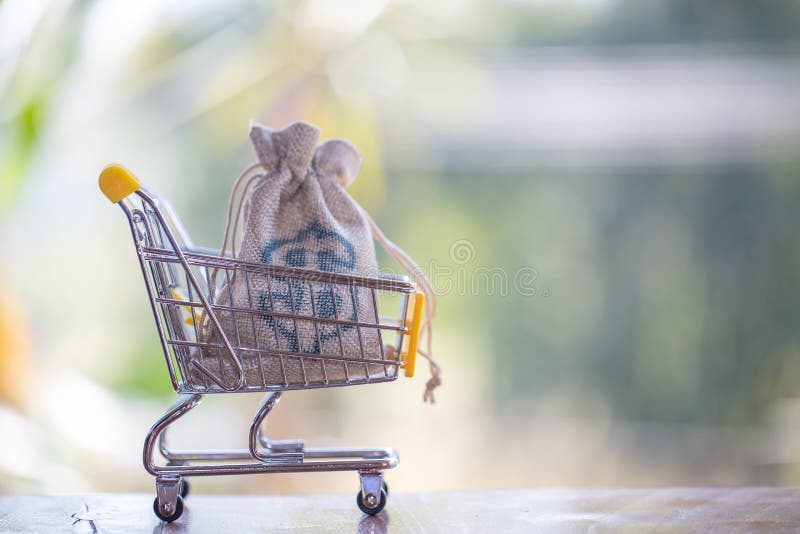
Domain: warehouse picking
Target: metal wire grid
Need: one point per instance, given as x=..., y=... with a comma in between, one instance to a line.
x=352, y=351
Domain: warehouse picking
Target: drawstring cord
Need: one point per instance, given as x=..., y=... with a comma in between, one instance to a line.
x=416, y=272
x=244, y=201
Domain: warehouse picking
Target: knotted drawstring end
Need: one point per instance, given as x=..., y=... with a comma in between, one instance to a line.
x=432, y=383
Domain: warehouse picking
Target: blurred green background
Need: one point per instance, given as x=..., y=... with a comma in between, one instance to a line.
x=606, y=193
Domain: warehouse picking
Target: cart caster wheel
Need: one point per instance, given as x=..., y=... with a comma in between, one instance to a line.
x=185, y=488
x=385, y=487
x=375, y=509
x=171, y=517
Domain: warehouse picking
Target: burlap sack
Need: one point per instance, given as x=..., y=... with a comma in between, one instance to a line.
x=298, y=214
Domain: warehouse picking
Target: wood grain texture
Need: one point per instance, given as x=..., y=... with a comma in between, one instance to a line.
x=526, y=510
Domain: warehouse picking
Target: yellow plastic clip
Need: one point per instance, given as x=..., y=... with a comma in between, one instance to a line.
x=413, y=325
x=186, y=310
x=117, y=182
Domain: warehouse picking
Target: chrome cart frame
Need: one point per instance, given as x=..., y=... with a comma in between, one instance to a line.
x=204, y=352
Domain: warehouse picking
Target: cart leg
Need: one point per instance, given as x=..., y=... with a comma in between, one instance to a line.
x=264, y=450
x=170, y=488
x=372, y=497
x=182, y=406
x=168, y=505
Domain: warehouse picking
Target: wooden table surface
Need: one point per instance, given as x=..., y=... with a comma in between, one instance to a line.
x=525, y=510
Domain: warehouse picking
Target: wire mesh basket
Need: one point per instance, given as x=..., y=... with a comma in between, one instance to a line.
x=287, y=328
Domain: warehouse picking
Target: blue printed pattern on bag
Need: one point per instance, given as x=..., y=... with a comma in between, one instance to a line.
x=293, y=296
x=296, y=255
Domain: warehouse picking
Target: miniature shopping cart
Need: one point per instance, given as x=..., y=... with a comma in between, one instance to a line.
x=181, y=282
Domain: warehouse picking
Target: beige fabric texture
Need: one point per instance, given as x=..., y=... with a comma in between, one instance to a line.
x=299, y=214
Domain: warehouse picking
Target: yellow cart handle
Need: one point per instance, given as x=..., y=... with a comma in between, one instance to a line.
x=117, y=182
x=414, y=326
